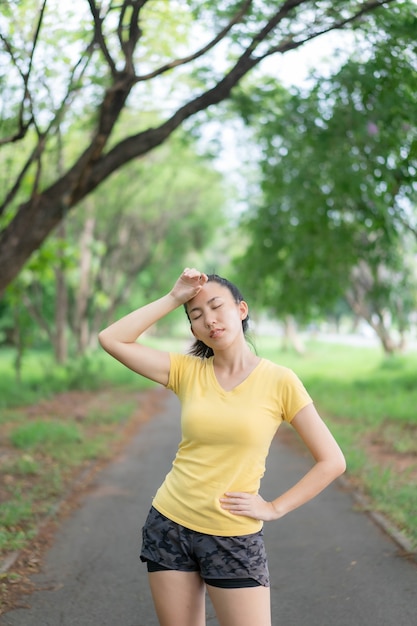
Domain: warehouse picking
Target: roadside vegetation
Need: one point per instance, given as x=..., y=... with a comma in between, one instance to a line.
x=58, y=425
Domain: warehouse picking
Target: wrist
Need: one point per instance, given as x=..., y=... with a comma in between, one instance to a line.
x=278, y=509
x=177, y=301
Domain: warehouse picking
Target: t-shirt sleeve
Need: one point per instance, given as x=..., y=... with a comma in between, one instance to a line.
x=176, y=367
x=294, y=396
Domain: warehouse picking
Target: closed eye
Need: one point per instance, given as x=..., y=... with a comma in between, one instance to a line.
x=196, y=313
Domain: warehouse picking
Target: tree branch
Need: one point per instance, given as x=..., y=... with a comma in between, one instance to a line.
x=18, y=182
x=22, y=126
x=291, y=45
x=128, y=44
x=54, y=124
x=202, y=51
x=99, y=37
x=36, y=315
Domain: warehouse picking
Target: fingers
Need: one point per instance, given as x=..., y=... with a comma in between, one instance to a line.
x=194, y=275
x=249, y=505
x=188, y=285
x=237, y=503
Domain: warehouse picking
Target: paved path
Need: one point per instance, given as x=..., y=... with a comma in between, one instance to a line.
x=330, y=565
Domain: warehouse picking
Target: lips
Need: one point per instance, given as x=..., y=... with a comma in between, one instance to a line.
x=216, y=333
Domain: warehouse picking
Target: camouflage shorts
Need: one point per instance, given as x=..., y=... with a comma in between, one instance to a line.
x=175, y=547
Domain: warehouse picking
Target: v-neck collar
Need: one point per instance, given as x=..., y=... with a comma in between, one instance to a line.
x=239, y=385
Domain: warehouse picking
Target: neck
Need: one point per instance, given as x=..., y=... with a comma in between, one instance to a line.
x=235, y=360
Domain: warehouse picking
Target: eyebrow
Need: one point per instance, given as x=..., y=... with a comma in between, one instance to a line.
x=198, y=308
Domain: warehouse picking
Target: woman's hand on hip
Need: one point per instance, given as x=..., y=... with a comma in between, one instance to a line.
x=249, y=505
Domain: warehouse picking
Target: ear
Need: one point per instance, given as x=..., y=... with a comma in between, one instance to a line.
x=243, y=309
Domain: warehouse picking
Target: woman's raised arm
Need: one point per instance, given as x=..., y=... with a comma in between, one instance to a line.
x=120, y=338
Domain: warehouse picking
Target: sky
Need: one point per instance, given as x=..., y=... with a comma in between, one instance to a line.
x=293, y=67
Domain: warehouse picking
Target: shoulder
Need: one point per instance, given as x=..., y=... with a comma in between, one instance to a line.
x=280, y=372
x=185, y=368
x=287, y=387
x=186, y=361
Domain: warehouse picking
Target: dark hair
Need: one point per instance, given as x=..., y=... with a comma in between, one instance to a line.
x=199, y=348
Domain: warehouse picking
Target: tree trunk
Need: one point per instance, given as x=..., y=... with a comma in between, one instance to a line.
x=375, y=321
x=81, y=322
x=61, y=308
x=291, y=336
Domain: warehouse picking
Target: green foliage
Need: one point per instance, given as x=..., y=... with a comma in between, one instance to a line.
x=48, y=434
x=12, y=514
x=91, y=87
x=41, y=377
x=82, y=373
x=117, y=414
x=25, y=465
x=16, y=521
x=12, y=540
x=338, y=181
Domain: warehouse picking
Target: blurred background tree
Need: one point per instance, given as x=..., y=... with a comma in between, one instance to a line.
x=336, y=217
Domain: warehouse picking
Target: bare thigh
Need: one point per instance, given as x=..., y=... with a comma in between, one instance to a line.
x=248, y=606
x=179, y=598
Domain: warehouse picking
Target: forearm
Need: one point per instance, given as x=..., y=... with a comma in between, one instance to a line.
x=329, y=464
x=130, y=327
x=318, y=478
x=120, y=338
x=329, y=461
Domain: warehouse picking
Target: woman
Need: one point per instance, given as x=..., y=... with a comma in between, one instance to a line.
x=204, y=530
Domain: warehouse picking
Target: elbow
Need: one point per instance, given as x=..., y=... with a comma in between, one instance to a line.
x=334, y=467
x=102, y=339
x=340, y=466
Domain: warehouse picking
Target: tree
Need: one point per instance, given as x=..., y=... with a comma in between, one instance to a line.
x=338, y=185
x=59, y=59
x=151, y=215
x=109, y=248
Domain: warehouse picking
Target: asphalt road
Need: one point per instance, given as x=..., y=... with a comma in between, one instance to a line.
x=330, y=564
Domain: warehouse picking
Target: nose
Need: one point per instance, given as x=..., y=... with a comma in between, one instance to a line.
x=209, y=320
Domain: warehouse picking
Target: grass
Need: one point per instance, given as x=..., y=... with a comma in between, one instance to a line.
x=47, y=434
x=41, y=378
x=15, y=513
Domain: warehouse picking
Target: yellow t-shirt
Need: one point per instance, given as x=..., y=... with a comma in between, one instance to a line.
x=226, y=437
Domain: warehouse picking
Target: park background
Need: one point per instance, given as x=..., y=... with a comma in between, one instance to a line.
x=274, y=143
